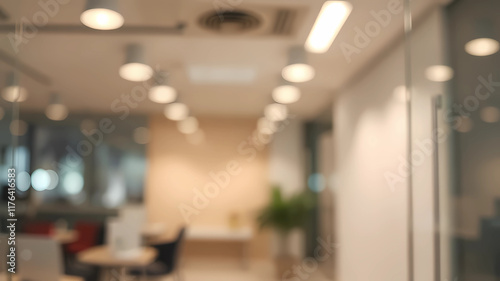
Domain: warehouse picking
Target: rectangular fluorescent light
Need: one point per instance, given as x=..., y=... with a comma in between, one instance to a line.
x=330, y=20
x=206, y=74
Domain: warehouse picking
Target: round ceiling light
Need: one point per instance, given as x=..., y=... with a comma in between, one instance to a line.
x=482, y=47
x=286, y=94
x=176, y=111
x=135, y=68
x=56, y=111
x=297, y=69
x=161, y=92
x=102, y=15
x=136, y=72
x=13, y=92
x=298, y=73
x=276, y=112
x=439, y=73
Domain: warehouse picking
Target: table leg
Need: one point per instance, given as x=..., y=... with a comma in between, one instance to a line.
x=115, y=274
x=123, y=273
x=104, y=274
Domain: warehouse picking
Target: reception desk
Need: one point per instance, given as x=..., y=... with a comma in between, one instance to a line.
x=242, y=235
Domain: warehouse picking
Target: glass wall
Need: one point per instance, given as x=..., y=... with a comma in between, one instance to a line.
x=13, y=154
x=454, y=63
x=62, y=157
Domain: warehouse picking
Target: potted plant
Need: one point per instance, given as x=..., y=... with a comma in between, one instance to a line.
x=284, y=215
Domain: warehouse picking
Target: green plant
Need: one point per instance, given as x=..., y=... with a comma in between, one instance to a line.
x=285, y=214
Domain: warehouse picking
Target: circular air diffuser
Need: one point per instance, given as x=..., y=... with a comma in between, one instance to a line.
x=229, y=21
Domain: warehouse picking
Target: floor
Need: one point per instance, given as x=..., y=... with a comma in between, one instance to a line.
x=231, y=270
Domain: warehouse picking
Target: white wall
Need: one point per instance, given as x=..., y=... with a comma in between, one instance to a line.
x=370, y=135
x=370, y=145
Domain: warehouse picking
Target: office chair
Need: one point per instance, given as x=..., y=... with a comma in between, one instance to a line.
x=88, y=234
x=167, y=261
x=39, y=228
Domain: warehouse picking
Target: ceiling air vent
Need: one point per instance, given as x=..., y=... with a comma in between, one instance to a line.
x=4, y=16
x=283, y=23
x=230, y=21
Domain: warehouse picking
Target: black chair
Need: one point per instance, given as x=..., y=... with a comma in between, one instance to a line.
x=167, y=261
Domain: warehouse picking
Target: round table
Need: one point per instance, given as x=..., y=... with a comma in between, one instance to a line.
x=103, y=257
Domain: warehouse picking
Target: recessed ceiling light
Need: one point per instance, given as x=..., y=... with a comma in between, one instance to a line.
x=135, y=68
x=102, y=15
x=297, y=70
x=176, y=111
x=286, y=94
x=439, y=73
x=330, y=20
x=482, y=47
x=276, y=112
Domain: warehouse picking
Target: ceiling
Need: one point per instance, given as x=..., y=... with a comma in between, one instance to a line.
x=82, y=64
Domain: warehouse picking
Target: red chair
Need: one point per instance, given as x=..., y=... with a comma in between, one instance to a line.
x=87, y=237
x=39, y=228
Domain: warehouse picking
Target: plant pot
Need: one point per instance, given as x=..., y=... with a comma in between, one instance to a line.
x=284, y=264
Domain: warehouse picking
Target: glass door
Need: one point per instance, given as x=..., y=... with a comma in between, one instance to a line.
x=453, y=77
